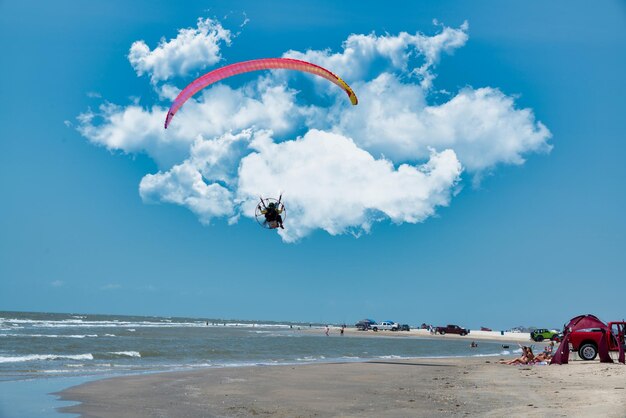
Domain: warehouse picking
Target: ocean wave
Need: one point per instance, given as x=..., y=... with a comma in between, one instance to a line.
x=79, y=321
x=56, y=371
x=311, y=358
x=488, y=355
x=35, y=357
x=73, y=323
x=394, y=357
x=126, y=353
x=51, y=335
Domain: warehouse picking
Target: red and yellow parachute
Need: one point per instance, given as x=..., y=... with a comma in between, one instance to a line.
x=254, y=65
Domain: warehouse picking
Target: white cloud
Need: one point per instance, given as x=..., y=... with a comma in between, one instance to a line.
x=361, y=52
x=481, y=125
x=219, y=159
x=194, y=182
x=132, y=129
x=396, y=156
x=221, y=109
x=328, y=181
x=332, y=184
x=192, y=49
x=183, y=185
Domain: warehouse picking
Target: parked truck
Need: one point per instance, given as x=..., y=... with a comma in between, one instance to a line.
x=451, y=329
x=586, y=341
x=386, y=326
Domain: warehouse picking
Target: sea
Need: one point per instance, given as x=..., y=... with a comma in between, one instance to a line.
x=43, y=353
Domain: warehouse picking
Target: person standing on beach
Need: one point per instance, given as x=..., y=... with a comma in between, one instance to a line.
x=327, y=330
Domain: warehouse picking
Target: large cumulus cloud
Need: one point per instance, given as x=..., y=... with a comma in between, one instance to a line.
x=396, y=156
x=334, y=185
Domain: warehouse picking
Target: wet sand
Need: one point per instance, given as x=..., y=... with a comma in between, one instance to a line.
x=408, y=388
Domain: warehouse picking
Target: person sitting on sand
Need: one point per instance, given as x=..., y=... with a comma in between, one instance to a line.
x=546, y=354
x=527, y=357
x=543, y=356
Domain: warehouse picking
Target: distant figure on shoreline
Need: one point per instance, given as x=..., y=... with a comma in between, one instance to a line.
x=473, y=344
x=343, y=327
x=327, y=330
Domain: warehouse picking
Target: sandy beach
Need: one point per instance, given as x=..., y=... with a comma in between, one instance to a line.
x=520, y=337
x=416, y=388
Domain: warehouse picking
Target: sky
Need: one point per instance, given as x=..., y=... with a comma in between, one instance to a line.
x=478, y=181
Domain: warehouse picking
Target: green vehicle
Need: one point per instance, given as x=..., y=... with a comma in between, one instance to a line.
x=543, y=334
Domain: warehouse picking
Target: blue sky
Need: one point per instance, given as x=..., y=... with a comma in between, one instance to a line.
x=531, y=243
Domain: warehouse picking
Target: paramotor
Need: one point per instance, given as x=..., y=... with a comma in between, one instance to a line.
x=270, y=213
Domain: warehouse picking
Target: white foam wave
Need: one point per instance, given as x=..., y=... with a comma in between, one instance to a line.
x=50, y=335
x=126, y=353
x=56, y=371
x=80, y=321
x=72, y=323
x=311, y=358
x=35, y=357
x=488, y=355
x=393, y=357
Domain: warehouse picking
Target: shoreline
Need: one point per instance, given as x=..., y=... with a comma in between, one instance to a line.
x=408, y=387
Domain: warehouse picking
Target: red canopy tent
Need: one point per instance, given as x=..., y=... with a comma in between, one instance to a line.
x=585, y=322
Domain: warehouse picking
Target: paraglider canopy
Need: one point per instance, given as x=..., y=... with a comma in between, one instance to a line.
x=254, y=65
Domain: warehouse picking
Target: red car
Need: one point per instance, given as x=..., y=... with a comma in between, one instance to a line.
x=585, y=333
x=586, y=341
